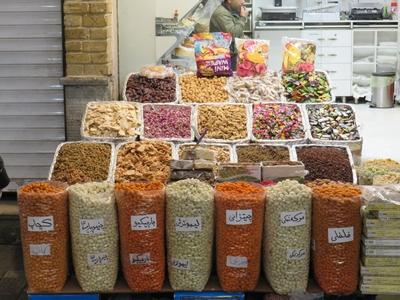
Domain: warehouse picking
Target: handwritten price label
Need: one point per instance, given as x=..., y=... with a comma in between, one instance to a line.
x=340, y=235
x=293, y=218
x=40, y=224
x=91, y=226
x=97, y=259
x=239, y=217
x=236, y=262
x=144, y=222
x=139, y=258
x=40, y=249
x=180, y=264
x=296, y=254
x=188, y=224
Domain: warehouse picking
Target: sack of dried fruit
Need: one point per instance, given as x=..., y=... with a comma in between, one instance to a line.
x=298, y=55
x=252, y=57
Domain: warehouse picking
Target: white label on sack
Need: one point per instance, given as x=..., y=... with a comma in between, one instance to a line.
x=139, y=258
x=239, y=217
x=188, y=224
x=40, y=249
x=144, y=222
x=91, y=226
x=296, y=254
x=97, y=259
x=236, y=261
x=340, y=235
x=39, y=224
x=293, y=218
x=180, y=264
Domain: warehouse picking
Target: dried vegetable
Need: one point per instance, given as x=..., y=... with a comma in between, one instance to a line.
x=277, y=122
x=252, y=57
x=256, y=153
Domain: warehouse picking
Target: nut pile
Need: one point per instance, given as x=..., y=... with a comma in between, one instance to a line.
x=203, y=89
x=94, y=235
x=308, y=87
x=336, y=231
x=151, y=90
x=190, y=225
x=239, y=225
x=223, y=122
x=332, y=122
x=141, y=210
x=255, y=153
x=167, y=121
x=326, y=163
x=222, y=152
x=82, y=162
x=111, y=119
x=267, y=87
x=277, y=122
x=43, y=213
x=143, y=161
x=287, y=233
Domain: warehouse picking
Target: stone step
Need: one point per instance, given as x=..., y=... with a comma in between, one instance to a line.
x=12, y=285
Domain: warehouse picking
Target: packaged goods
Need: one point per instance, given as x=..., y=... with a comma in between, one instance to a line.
x=203, y=90
x=381, y=200
x=326, y=163
x=78, y=162
x=304, y=87
x=113, y=119
x=94, y=235
x=379, y=289
x=255, y=153
x=278, y=171
x=373, y=261
x=252, y=57
x=222, y=152
x=332, y=122
x=159, y=72
x=371, y=168
x=287, y=233
x=202, y=175
x=212, y=52
x=239, y=225
x=172, y=122
x=143, y=161
x=336, y=228
x=190, y=225
x=380, y=271
x=226, y=122
x=43, y=213
x=141, y=211
x=239, y=172
x=267, y=87
x=298, y=55
x=277, y=122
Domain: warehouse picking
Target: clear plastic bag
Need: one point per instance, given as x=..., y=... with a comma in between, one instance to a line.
x=43, y=212
x=298, y=55
x=94, y=235
x=190, y=233
x=239, y=226
x=287, y=235
x=252, y=57
x=336, y=237
x=141, y=210
x=156, y=72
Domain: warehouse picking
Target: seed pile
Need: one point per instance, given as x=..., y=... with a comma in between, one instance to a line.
x=43, y=212
x=256, y=153
x=82, y=162
x=203, y=89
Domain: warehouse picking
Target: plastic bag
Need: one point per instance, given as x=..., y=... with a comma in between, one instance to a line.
x=298, y=55
x=43, y=212
x=94, y=235
x=239, y=225
x=336, y=237
x=252, y=57
x=190, y=233
x=287, y=236
x=156, y=72
x=212, y=52
x=141, y=210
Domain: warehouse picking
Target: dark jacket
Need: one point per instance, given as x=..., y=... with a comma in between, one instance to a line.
x=4, y=180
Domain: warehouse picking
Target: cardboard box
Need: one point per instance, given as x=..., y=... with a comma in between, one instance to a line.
x=380, y=280
x=380, y=251
x=380, y=242
x=380, y=261
x=373, y=289
x=239, y=172
x=383, y=224
x=383, y=233
x=278, y=171
x=380, y=271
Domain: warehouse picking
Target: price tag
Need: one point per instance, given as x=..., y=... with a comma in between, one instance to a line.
x=97, y=259
x=188, y=224
x=91, y=226
x=293, y=218
x=40, y=224
x=239, y=217
x=180, y=264
x=144, y=222
x=236, y=262
x=40, y=249
x=340, y=235
x=139, y=258
x=296, y=254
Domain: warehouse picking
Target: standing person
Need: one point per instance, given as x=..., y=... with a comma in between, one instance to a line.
x=230, y=16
